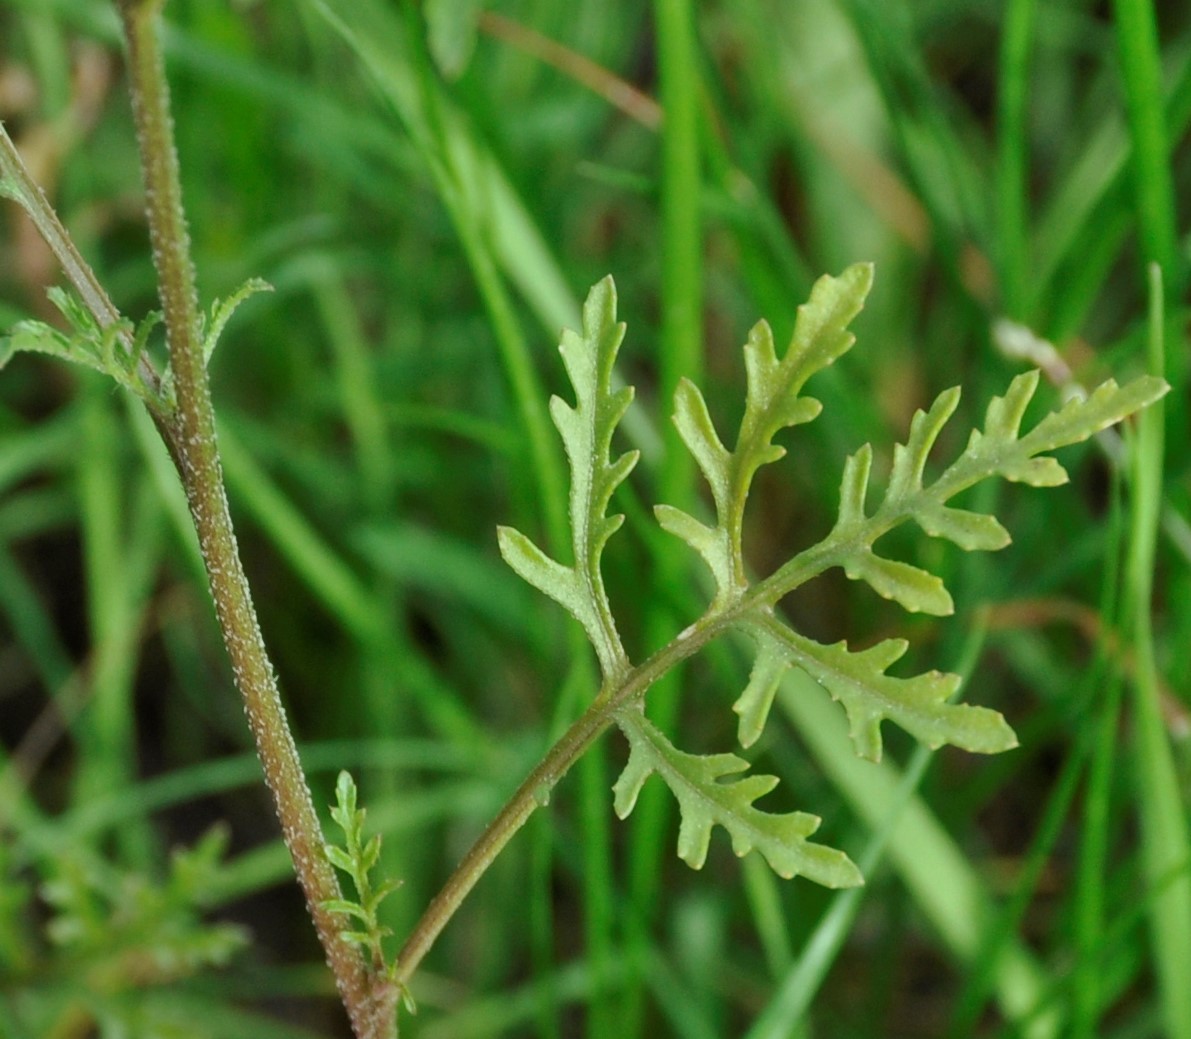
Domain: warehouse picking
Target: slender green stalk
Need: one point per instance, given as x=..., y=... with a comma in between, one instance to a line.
x=118, y=575
x=682, y=246
x=1006, y=920
x=1141, y=71
x=442, y=146
x=681, y=354
x=369, y=1000
x=1153, y=177
x=1089, y=895
x=1086, y=990
x=1166, y=844
x=16, y=182
x=1012, y=154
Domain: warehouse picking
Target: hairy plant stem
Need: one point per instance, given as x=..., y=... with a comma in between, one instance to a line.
x=368, y=996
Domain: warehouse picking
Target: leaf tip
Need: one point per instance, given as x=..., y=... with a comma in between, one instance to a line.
x=599, y=309
x=860, y=275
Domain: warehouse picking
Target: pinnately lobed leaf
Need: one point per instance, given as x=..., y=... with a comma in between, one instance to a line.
x=710, y=789
x=773, y=403
x=586, y=430
x=357, y=858
x=706, y=801
x=919, y=704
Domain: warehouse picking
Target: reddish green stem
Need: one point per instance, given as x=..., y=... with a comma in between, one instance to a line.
x=370, y=999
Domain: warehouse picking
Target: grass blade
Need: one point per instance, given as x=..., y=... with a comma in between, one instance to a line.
x=1166, y=844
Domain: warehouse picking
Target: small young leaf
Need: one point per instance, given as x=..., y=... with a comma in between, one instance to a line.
x=370, y=853
x=222, y=311
x=704, y=802
x=35, y=337
x=340, y=859
x=144, y=330
x=342, y=905
x=357, y=859
x=115, y=350
x=105, y=916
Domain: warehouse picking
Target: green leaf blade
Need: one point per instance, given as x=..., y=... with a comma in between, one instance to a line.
x=222, y=311
x=548, y=576
x=709, y=542
x=821, y=333
x=586, y=429
x=972, y=531
x=912, y=588
x=755, y=702
x=1105, y=406
x=854, y=490
x=773, y=402
x=706, y=801
x=909, y=459
x=695, y=427
x=1002, y=419
x=918, y=704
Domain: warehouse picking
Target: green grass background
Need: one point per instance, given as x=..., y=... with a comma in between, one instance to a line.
x=431, y=190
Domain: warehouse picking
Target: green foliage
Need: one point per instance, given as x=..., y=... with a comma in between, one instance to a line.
x=124, y=948
x=1032, y=211
x=140, y=932
x=586, y=430
x=221, y=313
x=920, y=704
x=773, y=403
x=115, y=351
x=706, y=800
x=119, y=350
x=357, y=858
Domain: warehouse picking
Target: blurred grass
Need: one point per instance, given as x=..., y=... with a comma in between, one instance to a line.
x=430, y=213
